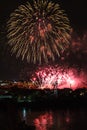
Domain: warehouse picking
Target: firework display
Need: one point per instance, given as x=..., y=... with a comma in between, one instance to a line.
x=38, y=31
x=57, y=77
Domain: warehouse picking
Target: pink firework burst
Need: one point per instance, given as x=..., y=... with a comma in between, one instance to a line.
x=56, y=77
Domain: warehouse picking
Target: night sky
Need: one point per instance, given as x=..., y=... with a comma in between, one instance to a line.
x=10, y=67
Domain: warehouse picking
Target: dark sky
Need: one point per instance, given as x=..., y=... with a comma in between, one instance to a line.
x=75, y=9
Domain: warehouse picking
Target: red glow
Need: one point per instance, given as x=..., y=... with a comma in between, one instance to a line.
x=42, y=32
x=31, y=38
x=67, y=119
x=52, y=77
x=43, y=121
x=49, y=27
x=42, y=48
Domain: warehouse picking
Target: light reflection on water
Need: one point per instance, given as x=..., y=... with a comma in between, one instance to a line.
x=62, y=119
x=23, y=118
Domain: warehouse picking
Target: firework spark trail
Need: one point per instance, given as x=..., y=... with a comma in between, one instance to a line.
x=58, y=77
x=38, y=31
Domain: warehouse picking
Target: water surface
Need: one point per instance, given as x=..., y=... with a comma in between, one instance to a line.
x=24, y=118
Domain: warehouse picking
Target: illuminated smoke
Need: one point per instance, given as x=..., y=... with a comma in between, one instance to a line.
x=79, y=42
x=77, y=49
x=57, y=77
